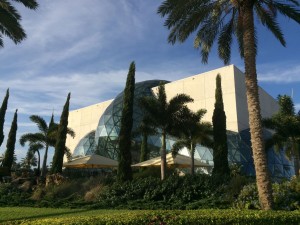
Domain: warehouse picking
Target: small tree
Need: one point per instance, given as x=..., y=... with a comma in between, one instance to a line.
x=220, y=153
x=145, y=129
x=286, y=127
x=10, y=146
x=164, y=116
x=2, y=115
x=124, y=156
x=60, y=148
x=192, y=132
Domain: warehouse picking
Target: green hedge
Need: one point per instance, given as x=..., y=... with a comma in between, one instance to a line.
x=199, y=217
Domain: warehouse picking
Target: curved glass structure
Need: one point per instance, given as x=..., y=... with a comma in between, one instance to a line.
x=108, y=129
x=104, y=141
x=86, y=146
x=240, y=152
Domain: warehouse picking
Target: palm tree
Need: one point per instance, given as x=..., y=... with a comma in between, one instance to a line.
x=220, y=20
x=35, y=148
x=10, y=20
x=145, y=129
x=46, y=137
x=28, y=161
x=163, y=115
x=193, y=132
x=286, y=127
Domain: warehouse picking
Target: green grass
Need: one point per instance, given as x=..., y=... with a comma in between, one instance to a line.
x=39, y=216
x=21, y=213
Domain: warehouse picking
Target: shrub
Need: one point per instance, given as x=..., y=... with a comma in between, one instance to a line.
x=286, y=196
x=174, y=217
x=93, y=194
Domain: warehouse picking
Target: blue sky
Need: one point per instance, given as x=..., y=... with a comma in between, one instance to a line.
x=85, y=47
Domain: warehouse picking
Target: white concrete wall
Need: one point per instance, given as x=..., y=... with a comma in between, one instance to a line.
x=83, y=121
x=267, y=103
x=202, y=87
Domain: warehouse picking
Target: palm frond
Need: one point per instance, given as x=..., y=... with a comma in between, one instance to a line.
x=225, y=40
x=40, y=122
x=177, y=102
x=31, y=4
x=180, y=144
x=35, y=147
x=288, y=10
x=9, y=22
x=68, y=153
x=269, y=21
x=71, y=132
x=32, y=138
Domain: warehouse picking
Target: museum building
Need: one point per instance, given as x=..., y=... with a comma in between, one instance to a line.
x=97, y=126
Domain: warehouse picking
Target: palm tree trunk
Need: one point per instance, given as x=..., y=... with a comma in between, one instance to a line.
x=44, y=168
x=296, y=162
x=163, y=156
x=192, y=159
x=39, y=162
x=260, y=160
x=144, y=148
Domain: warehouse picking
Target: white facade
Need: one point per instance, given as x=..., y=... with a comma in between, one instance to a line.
x=201, y=88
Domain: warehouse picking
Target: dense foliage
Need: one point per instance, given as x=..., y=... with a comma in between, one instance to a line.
x=286, y=196
x=2, y=115
x=60, y=145
x=124, y=155
x=286, y=126
x=11, y=141
x=220, y=149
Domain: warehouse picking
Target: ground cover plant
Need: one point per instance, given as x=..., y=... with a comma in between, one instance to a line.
x=188, y=192
x=23, y=215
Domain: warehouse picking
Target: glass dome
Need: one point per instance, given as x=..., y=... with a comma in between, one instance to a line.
x=86, y=146
x=108, y=129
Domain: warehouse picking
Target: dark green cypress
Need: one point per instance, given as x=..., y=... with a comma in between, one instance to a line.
x=59, y=152
x=10, y=146
x=220, y=149
x=2, y=115
x=124, y=156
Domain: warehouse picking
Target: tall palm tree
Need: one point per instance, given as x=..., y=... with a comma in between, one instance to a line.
x=286, y=127
x=220, y=20
x=193, y=132
x=10, y=19
x=163, y=115
x=46, y=137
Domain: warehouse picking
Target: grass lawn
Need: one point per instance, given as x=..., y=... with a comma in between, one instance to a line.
x=29, y=213
x=39, y=216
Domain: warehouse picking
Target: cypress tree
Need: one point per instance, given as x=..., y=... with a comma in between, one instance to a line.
x=124, y=156
x=60, y=145
x=10, y=146
x=2, y=115
x=220, y=149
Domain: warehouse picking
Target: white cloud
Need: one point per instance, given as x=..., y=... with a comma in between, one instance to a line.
x=281, y=73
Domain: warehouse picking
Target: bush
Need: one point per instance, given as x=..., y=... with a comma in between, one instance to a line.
x=286, y=196
x=174, y=217
x=174, y=192
x=10, y=195
x=93, y=194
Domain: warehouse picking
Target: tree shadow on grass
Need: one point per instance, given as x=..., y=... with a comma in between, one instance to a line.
x=46, y=215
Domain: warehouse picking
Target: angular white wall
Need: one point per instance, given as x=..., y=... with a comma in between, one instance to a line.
x=201, y=88
x=83, y=121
